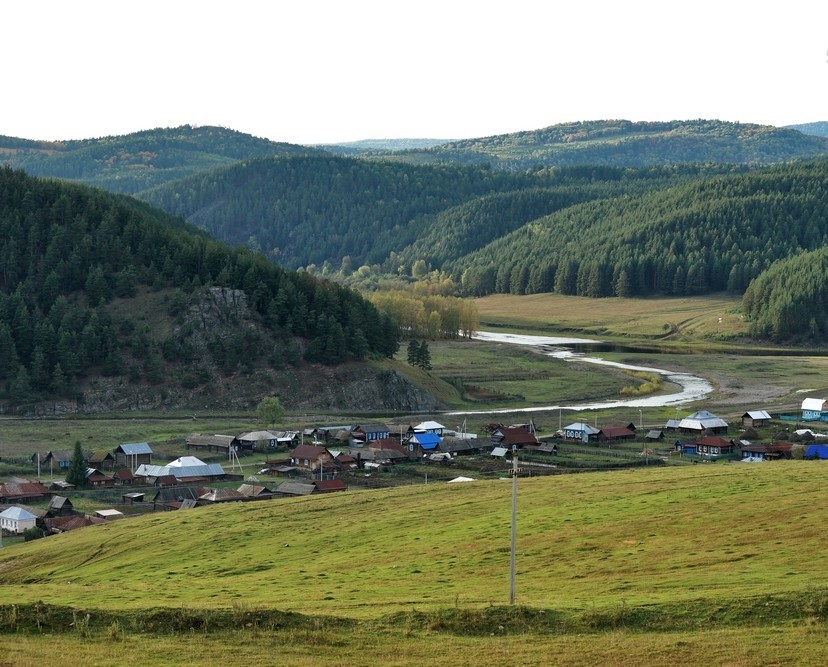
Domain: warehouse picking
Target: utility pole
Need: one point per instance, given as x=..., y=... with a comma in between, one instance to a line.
x=514, y=525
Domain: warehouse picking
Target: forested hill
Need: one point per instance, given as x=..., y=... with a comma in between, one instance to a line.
x=311, y=210
x=141, y=160
x=99, y=287
x=707, y=235
x=627, y=144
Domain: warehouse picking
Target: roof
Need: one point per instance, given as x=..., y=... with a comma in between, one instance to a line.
x=180, y=471
x=617, y=432
x=186, y=461
x=18, y=514
x=59, y=502
x=757, y=414
x=23, y=490
x=384, y=444
x=63, y=523
x=134, y=448
x=426, y=440
x=814, y=404
x=654, y=434
x=429, y=426
x=714, y=441
x=582, y=426
x=252, y=490
x=499, y=451
x=210, y=440
x=109, y=514
x=255, y=436
x=372, y=428
x=308, y=452
x=515, y=436
x=461, y=479
x=329, y=485
x=222, y=495
x=701, y=420
x=295, y=488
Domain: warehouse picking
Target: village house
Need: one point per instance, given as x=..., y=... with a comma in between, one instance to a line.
x=310, y=457
x=132, y=455
x=580, y=431
x=616, y=433
x=755, y=418
x=211, y=443
x=709, y=448
x=184, y=470
x=365, y=433
x=18, y=490
x=257, y=440
x=429, y=427
x=101, y=460
x=815, y=409
x=17, y=520
x=766, y=452
x=60, y=506
x=421, y=444
x=702, y=422
x=96, y=478
x=514, y=436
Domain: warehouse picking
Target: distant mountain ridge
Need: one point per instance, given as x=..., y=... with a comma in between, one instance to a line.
x=134, y=162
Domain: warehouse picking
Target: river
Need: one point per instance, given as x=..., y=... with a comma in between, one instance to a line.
x=693, y=388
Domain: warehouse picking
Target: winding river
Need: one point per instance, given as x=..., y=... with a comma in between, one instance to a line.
x=692, y=388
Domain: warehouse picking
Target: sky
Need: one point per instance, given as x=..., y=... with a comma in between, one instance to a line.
x=319, y=71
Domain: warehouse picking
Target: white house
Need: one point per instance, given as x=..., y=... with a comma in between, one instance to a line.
x=16, y=520
x=814, y=409
x=430, y=427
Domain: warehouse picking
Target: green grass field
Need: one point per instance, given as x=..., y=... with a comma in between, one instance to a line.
x=694, y=560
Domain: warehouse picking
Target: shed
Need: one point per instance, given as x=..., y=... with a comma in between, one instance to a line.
x=295, y=489
x=329, y=485
x=109, y=514
x=17, y=520
x=211, y=443
x=654, y=435
x=60, y=505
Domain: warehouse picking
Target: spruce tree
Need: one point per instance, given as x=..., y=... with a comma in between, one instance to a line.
x=77, y=467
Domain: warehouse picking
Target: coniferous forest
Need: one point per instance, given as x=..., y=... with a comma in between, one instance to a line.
x=68, y=252
x=597, y=209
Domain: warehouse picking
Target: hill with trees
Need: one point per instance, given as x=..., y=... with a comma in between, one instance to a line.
x=625, y=143
x=134, y=162
x=98, y=288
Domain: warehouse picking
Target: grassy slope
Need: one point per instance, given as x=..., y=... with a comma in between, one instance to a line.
x=664, y=537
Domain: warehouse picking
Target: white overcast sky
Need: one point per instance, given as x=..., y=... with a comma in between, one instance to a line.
x=316, y=71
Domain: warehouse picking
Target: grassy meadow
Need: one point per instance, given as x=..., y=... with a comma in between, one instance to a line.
x=649, y=566
x=678, y=319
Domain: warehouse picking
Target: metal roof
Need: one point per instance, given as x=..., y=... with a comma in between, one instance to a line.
x=17, y=514
x=134, y=448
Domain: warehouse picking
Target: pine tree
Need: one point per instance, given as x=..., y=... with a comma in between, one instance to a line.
x=424, y=357
x=413, y=352
x=77, y=467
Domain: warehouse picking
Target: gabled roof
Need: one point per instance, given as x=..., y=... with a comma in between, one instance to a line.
x=255, y=436
x=429, y=426
x=714, y=441
x=253, y=490
x=134, y=449
x=224, y=441
x=295, y=488
x=23, y=490
x=329, y=485
x=308, y=452
x=426, y=440
x=757, y=414
x=617, y=432
x=515, y=436
x=372, y=428
x=814, y=404
x=582, y=426
x=385, y=444
x=59, y=502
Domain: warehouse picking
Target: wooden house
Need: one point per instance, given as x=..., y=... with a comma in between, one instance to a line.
x=310, y=457
x=710, y=447
x=211, y=443
x=514, y=436
x=96, y=478
x=253, y=440
x=616, y=433
x=429, y=427
x=329, y=485
x=132, y=455
x=365, y=433
x=101, y=460
x=766, y=452
x=421, y=444
x=22, y=490
x=755, y=418
x=60, y=506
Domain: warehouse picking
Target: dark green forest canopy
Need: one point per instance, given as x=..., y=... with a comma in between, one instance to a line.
x=67, y=250
x=706, y=235
x=309, y=210
x=140, y=160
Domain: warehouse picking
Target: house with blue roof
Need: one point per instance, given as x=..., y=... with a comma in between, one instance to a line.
x=423, y=443
x=17, y=520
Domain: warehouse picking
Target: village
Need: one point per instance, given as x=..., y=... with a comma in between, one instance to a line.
x=129, y=481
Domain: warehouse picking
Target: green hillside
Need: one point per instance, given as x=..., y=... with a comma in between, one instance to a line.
x=627, y=144
x=703, y=236
x=312, y=210
x=134, y=162
x=662, y=550
x=96, y=287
